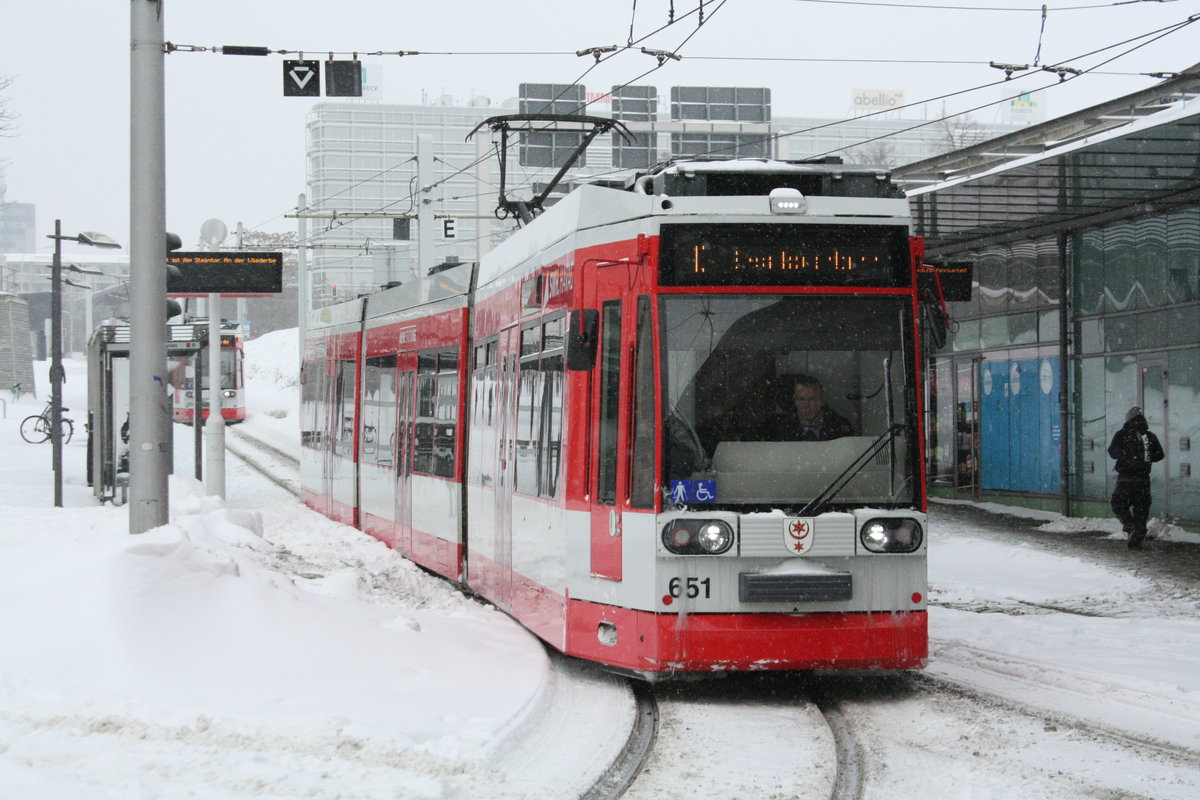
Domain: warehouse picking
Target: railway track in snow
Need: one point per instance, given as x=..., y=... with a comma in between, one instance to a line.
x=778, y=735
x=273, y=463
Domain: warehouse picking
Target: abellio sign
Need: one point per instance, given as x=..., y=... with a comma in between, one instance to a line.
x=877, y=99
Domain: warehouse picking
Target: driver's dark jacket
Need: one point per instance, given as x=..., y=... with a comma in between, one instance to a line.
x=788, y=428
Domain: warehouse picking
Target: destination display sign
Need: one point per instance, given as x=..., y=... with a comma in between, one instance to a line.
x=955, y=279
x=233, y=274
x=773, y=254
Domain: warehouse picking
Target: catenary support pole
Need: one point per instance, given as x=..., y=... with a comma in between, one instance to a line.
x=214, y=426
x=149, y=412
x=57, y=374
x=302, y=270
x=424, y=202
x=484, y=203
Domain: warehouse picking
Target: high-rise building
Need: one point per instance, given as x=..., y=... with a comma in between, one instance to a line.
x=364, y=192
x=18, y=225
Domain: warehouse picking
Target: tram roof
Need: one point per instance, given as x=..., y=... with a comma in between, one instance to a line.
x=1128, y=157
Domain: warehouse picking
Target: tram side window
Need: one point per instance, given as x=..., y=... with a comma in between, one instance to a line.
x=437, y=412
x=550, y=431
x=641, y=490
x=529, y=392
x=445, y=415
x=426, y=401
x=540, y=409
x=483, y=411
x=610, y=388
x=344, y=411
x=312, y=376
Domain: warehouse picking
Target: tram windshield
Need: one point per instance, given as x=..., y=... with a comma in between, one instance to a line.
x=776, y=401
x=228, y=369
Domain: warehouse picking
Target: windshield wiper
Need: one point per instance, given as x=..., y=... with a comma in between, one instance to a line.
x=818, y=504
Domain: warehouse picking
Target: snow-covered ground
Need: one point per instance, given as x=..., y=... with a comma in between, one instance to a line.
x=252, y=648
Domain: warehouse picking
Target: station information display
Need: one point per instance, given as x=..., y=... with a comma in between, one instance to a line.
x=233, y=274
x=774, y=254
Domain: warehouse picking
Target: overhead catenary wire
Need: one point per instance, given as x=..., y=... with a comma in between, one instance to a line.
x=1062, y=65
x=1002, y=9
x=1068, y=74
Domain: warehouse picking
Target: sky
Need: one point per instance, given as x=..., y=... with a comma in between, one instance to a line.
x=235, y=145
x=253, y=649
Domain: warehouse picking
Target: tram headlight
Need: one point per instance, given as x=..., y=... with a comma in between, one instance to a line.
x=228, y=393
x=891, y=535
x=698, y=536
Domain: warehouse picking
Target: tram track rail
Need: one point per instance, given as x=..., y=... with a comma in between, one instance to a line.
x=637, y=749
x=1052, y=714
x=277, y=466
x=850, y=778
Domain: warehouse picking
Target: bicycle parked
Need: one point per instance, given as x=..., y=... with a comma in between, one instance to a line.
x=35, y=428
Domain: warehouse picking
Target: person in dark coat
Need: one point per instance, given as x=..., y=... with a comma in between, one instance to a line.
x=808, y=419
x=1135, y=448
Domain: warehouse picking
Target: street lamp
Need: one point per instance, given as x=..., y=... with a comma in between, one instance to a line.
x=56, y=368
x=86, y=303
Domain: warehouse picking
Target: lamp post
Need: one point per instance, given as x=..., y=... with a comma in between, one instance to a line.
x=56, y=367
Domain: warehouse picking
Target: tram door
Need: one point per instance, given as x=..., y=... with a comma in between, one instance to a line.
x=1152, y=397
x=505, y=467
x=406, y=366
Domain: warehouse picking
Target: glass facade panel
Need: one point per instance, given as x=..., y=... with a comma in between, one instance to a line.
x=1151, y=329
x=967, y=335
x=1120, y=333
x=1090, y=338
x=1022, y=277
x=1182, y=442
x=1183, y=325
x=1151, y=261
x=1121, y=291
x=991, y=272
x=1022, y=329
x=1048, y=326
x=942, y=427
x=993, y=332
x=1088, y=248
x=1183, y=254
x=1091, y=457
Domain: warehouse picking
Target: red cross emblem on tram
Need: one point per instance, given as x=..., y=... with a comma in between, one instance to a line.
x=798, y=533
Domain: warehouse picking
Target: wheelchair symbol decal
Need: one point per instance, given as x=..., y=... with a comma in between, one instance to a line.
x=693, y=491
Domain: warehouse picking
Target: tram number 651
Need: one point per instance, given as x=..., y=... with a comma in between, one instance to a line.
x=692, y=587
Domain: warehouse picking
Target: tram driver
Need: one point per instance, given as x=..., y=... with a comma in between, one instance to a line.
x=807, y=417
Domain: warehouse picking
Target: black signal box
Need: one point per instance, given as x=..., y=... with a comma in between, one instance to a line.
x=343, y=79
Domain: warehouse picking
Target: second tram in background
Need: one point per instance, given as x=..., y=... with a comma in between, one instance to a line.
x=596, y=428
x=183, y=372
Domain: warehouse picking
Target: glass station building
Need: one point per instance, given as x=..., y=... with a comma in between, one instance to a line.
x=1084, y=238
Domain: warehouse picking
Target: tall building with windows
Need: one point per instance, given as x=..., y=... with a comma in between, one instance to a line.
x=18, y=225
x=364, y=193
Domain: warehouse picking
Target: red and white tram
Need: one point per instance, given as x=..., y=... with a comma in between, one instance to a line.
x=183, y=372
x=580, y=428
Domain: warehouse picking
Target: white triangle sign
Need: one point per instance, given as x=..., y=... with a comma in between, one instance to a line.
x=297, y=79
